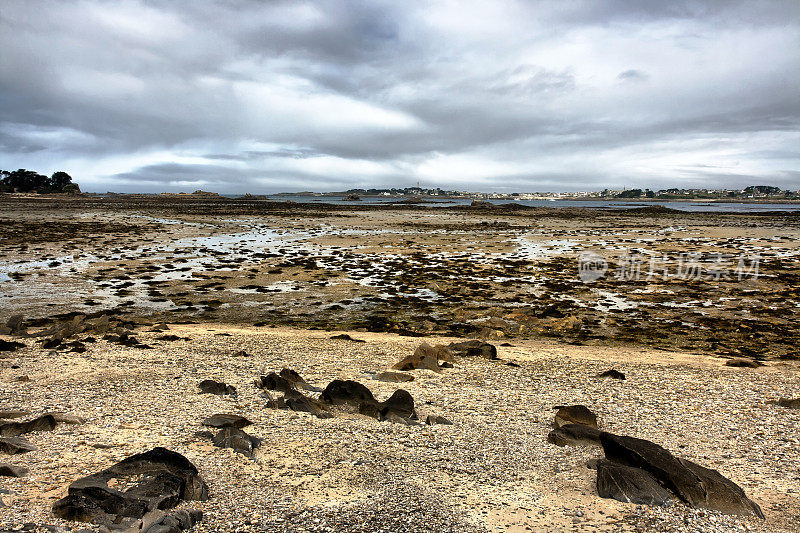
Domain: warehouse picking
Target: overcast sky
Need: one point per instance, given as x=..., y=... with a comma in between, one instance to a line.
x=267, y=96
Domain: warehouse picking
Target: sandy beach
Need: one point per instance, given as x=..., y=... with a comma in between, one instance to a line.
x=278, y=281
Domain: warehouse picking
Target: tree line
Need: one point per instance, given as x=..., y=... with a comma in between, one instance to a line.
x=23, y=180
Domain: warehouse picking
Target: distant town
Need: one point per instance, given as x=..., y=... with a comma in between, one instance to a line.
x=753, y=192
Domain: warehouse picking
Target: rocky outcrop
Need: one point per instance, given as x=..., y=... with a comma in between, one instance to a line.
x=156, y=480
x=693, y=484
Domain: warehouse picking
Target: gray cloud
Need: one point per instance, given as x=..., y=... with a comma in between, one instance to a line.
x=259, y=96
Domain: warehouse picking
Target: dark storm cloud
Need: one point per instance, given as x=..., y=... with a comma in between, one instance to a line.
x=289, y=95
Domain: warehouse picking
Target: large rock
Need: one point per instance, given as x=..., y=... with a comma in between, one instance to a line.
x=8, y=470
x=574, y=435
x=209, y=386
x=158, y=479
x=474, y=348
x=284, y=382
x=296, y=401
x=340, y=392
x=574, y=414
x=10, y=346
x=789, y=403
x=14, y=429
x=630, y=485
x=15, y=445
x=695, y=485
x=665, y=467
x=425, y=357
x=401, y=403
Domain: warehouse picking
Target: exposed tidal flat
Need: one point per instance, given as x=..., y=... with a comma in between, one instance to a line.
x=129, y=303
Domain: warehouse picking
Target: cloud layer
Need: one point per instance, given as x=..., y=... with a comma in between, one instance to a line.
x=254, y=96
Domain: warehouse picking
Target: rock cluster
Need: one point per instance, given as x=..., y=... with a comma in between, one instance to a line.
x=429, y=357
x=339, y=395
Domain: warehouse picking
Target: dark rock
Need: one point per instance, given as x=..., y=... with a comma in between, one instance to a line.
x=15, y=445
x=159, y=479
x=512, y=364
x=436, y=419
x=425, y=356
x=400, y=403
x=722, y=494
x=574, y=414
x=226, y=420
x=10, y=346
x=393, y=377
x=241, y=353
x=788, y=403
x=370, y=409
x=396, y=419
x=14, y=429
x=666, y=468
x=340, y=392
x=346, y=337
x=238, y=440
x=209, y=386
x=574, y=435
x=696, y=486
x=630, y=485
x=474, y=348
x=49, y=344
x=613, y=374
x=16, y=323
x=12, y=470
x=741, y=362
x=296, y=401
x=170, y=338
x=273, y=381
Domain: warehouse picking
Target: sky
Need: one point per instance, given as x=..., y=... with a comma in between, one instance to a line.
x=264, y=96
